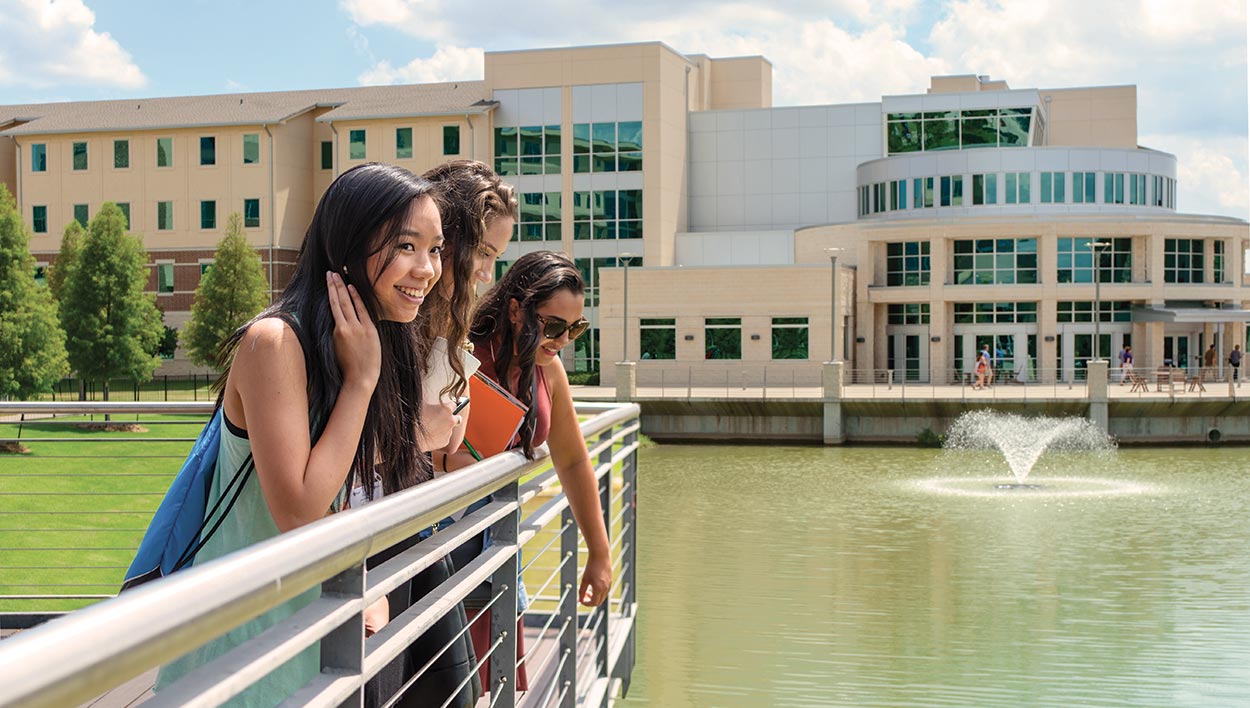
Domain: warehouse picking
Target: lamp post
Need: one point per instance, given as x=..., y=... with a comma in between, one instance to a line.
x=625, y=258
x=833, y=252
x=1096, y=248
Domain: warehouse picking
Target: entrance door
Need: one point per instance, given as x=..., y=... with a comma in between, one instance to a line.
x=908, y=356
x=1012, y=350
x=1176, y=350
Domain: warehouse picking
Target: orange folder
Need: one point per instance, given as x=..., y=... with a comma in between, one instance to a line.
x=495, y=416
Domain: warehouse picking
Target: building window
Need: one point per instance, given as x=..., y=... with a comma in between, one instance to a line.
x=1182, y=260
x=327, y=155
x=985, y=189
x=586, y=351
x=251, y=149
x=251, y=213
x=1076, y=261
x=898, y=195
x=1052, y=188
x=912, y=313
x=80, y=156
x=125, y=209
x=531, y=150
x=206, y=264
x=1137, y=189
x=403, y=143
x=356, y=145
x=208, y=214
x=1113, y=188
x=722, y=337
x=164, y=216
x=995, y=313
x=607, y=214
x=39, y=219
x=607, y=147
x=539, y=217
x=121, y=154
x=657, y=338
x=789, y=337
x=164, y=278
x=1083, y=311
x=208, y=150
x=451, y=140
x=1217, y=262
x=41, y=275
x=1157, y=186
x=953, y=130
x=907, y=263
x=39, y=157
x=1017, y=188
x=922, y=192
x=953, y=191
x=1003, y=261
x=81, y=214
x=589, y=268
x=164, y=152
x=1083, y=187
x=501, y=267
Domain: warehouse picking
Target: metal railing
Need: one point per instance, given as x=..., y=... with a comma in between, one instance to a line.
x=1031, y=383
x=579, y=658
x=725, y=379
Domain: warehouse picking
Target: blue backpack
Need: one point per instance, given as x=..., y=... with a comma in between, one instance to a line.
x=178, y=529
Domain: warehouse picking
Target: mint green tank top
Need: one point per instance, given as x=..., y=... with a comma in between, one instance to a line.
x=248, y=522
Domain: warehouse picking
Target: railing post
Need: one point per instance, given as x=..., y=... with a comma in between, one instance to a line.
x=629, y=562
x=604, y=609
x=568, y=613
x=343, y=649
x=503, y=614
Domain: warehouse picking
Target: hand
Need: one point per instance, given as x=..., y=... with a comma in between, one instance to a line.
x=596, y=580
x=356, y=342
x=377, y=615
x=438, y=422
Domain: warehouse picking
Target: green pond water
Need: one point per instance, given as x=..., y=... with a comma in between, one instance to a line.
x=805, y=576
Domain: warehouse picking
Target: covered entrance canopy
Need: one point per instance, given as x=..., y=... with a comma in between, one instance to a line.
x=1196, y=315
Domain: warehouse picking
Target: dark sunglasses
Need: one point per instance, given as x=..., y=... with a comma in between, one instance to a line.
x=553, y=328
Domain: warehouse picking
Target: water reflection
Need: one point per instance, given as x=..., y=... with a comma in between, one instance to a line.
x=810, y=576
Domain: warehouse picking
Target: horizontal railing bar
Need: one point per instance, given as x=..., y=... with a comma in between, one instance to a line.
x=554, y=573
x=542, y=516
x=53, y=597
x=469, y=675
x=328, y=689
x=232, y=673
x=433, y=659
x=77, y=475
x=555, y=641
x=535, y=554
x=94, y=440
x=395, y=571
x=82, y=494
x=546, y=699
x=538, y=485
x=401, y=631
x=20, y=458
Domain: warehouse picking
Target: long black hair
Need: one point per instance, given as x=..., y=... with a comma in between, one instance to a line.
x=473, y=197
x=532, y=280
x=361, y=214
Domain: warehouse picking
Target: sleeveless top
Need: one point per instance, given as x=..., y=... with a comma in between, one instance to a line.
x=484, y=350
x=248, y=522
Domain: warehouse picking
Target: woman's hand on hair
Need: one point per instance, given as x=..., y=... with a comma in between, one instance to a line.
x=596, y=580
x=438, y=424
x=356, y=342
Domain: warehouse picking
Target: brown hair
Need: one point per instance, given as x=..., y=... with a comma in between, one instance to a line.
x=472, y=197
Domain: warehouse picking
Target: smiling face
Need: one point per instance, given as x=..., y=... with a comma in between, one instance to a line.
x=564, y=306
x=416, y=263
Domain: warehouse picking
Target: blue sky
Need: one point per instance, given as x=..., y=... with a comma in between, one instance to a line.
x=1187, y=57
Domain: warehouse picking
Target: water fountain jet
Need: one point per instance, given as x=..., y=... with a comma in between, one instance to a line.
x=1022, y=440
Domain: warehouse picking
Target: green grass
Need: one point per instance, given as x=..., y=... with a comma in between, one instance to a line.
x=72, y=513
x=70, y=505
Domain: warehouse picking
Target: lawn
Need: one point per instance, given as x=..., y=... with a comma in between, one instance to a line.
x=72, y=511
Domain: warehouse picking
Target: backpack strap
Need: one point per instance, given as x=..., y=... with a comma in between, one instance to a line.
x=232, y=490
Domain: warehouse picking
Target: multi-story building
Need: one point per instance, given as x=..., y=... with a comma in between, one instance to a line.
x=958, y=218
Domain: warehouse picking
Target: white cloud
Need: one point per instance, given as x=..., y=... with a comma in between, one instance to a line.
x=56, y=44
x=446, y=64
x=1213, y=175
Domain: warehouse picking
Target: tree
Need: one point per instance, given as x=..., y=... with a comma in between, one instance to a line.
x=231, y=292
x=71, y=242
x=112, y=326
x=32, y=344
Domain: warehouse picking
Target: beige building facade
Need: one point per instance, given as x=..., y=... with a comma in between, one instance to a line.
x=960, y=217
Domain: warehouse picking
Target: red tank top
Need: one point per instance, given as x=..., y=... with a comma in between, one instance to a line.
x=485, y=353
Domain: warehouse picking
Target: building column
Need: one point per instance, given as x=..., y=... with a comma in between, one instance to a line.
x=1096, y=381
x=831, y=377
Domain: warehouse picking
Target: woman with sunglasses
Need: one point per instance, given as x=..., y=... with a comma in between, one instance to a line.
x=518, y=330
